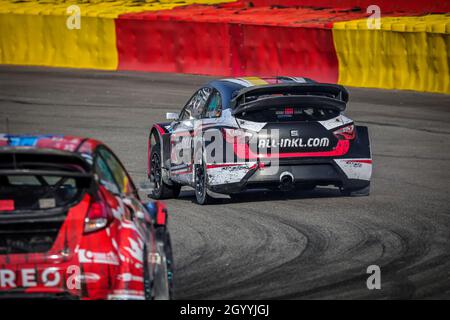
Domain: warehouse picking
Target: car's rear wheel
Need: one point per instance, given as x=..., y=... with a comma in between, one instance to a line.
x=161, y=190
x=201, y=185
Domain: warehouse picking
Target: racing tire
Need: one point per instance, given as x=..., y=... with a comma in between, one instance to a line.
x=163, y=283
x=201, y=185
x=161, y=189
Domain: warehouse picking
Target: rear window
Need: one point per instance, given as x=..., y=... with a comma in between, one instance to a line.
x=39, y=192
x=288, y=114
x=40, y=180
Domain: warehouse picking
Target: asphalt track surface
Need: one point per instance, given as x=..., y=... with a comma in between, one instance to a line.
x=301, y=245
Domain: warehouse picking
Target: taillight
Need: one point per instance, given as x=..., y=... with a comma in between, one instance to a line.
x=346, y=133
x=6, y=205
x=98, y=217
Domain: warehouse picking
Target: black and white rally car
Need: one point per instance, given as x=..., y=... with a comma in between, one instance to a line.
x=243, y=133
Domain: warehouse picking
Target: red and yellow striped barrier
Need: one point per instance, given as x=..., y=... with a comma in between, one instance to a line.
x=35, y=33
x=407, y=52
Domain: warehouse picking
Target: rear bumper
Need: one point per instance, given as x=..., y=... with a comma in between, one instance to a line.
x=348, y=174
x=96, y=270
x=351, y=171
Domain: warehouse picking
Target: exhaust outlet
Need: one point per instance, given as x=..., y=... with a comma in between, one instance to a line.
x=286, y=180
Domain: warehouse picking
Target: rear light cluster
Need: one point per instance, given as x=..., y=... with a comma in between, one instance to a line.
x=7, y=205
x=346, y=133
x=98, y=217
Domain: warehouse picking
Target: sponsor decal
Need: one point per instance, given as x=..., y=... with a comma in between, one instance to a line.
x=128, y=277
x=359, y=161
x=353, y=164
x=356, y=168
x=86, y=256
x=29, y=277
x=293, y=143
x=135, y=249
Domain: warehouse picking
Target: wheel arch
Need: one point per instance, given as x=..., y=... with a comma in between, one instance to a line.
x=154, y=136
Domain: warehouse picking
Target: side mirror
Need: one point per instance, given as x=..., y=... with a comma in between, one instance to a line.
x=172, y=116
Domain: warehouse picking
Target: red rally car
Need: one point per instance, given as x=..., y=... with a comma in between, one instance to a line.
x=72, y=224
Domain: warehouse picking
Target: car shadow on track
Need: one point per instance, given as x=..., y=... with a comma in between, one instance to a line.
x=266, y=195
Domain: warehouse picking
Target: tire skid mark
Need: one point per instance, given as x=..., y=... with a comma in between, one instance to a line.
x=250, y=257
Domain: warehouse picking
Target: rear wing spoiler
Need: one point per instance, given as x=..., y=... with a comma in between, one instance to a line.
x=333, y=91
x=294, y=101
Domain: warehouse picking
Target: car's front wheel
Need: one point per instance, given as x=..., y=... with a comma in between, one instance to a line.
x=161, y=190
